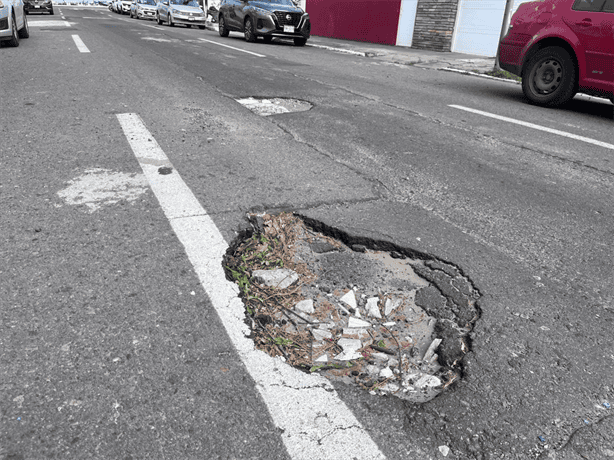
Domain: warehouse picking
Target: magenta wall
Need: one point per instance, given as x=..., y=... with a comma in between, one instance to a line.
x=374, y=21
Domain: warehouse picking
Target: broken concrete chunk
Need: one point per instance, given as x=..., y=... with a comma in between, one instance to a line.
x=322, y=359
x=380, y=356
x=320, y=334
x=427, y=381
x=279, y=278
x=389, y=324
x=305, y=306
x=354, y=322
x=349, y=344
x=349, y=299
x=386, y=373
x=348, y=356
x=355, y=333
x=321, y=247
x=391, y=305
x=372, y=308
x=431, y=350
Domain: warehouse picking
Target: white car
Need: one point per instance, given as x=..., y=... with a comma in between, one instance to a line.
x=143, y=9
x=13, y=22
x=187, y=12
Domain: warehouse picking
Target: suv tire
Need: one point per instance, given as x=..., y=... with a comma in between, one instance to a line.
x=250, y=33
x=221, y=26
x=549, y=78
x=299, y=41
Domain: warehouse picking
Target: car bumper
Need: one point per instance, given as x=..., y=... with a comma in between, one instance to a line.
x=187, y=20
x=146, y=14
x=269, y=25
x=38, y=8
x=512, y=50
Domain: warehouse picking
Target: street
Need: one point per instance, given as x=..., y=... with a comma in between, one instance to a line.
x=129, y=166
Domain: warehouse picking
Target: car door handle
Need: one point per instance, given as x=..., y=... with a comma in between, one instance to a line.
x=585, y=23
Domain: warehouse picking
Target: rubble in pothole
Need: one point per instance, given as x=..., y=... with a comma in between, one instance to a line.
x=274, y=106
x=358, y=314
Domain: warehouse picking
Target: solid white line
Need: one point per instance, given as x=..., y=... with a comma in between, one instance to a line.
x=314, y=423
x=153, y=27
x=80, y=45
x=231, y=47
x=588, y=140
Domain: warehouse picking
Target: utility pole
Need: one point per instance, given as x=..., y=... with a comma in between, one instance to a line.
x=504, y=28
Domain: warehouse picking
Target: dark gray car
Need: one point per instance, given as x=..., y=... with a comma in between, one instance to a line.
x=266, y=19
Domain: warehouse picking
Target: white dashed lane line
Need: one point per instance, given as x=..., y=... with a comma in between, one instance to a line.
x=314, y=423
x=588, y=140
x=80, y=45
x=231, y=47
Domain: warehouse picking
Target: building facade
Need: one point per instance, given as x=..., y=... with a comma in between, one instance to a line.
x=465, y=26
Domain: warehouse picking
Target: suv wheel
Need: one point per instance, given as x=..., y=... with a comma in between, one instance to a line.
x=299, y=41
x=549, y=78
x=169, y=19
x=222, y=26
x=158, y=19
x=250, y=34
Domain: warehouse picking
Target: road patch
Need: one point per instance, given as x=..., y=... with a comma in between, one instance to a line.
x=97, y=187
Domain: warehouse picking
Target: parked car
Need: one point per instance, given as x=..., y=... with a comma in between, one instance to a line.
x=123, y=6
x=264, y=18
x=560, y=48
x=187, y=12
x=143, y=9
x=38, y=6
x=13, y=22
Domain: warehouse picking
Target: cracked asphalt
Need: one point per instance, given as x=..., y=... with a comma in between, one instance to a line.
x=110, y=347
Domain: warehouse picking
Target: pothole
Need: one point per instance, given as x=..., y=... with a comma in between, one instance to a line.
x=365, y=313
x=274, y=106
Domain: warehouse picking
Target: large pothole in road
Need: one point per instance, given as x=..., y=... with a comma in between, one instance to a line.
x=274, y=106
x=358, y=311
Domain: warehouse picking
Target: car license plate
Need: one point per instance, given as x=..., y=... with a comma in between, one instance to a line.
x=37, y=6
x=289, y=29
x=191, y=19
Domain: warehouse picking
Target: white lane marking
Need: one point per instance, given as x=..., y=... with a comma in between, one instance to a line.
x=80, y=45
x=50, y=23
x=314, y=423
x=588, y=140
x=231, y=47
x=153, y=27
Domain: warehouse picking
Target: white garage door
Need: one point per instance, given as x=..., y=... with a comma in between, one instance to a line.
x=478, y=26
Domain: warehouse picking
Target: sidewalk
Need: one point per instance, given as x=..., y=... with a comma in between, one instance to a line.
x=402, y=55
x=408, y=56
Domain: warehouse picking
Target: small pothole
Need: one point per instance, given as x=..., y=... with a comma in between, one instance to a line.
x=361, y=312
x=274, y=106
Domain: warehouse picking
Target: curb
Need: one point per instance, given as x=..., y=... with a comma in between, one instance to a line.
x=475, y=74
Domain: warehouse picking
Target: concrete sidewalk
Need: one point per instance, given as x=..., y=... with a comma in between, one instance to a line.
x=402, y=55
x=408, y=56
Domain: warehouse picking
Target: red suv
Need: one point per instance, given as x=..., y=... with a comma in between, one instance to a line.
x=560, y=48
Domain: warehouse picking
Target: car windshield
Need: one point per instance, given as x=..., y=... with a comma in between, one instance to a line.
x=185, y=3
x=147, y=2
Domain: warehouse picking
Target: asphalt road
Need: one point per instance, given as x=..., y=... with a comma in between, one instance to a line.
x=112, y=344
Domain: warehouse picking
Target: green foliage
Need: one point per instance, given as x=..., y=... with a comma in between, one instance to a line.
x=500, y=73
x=282, y=342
